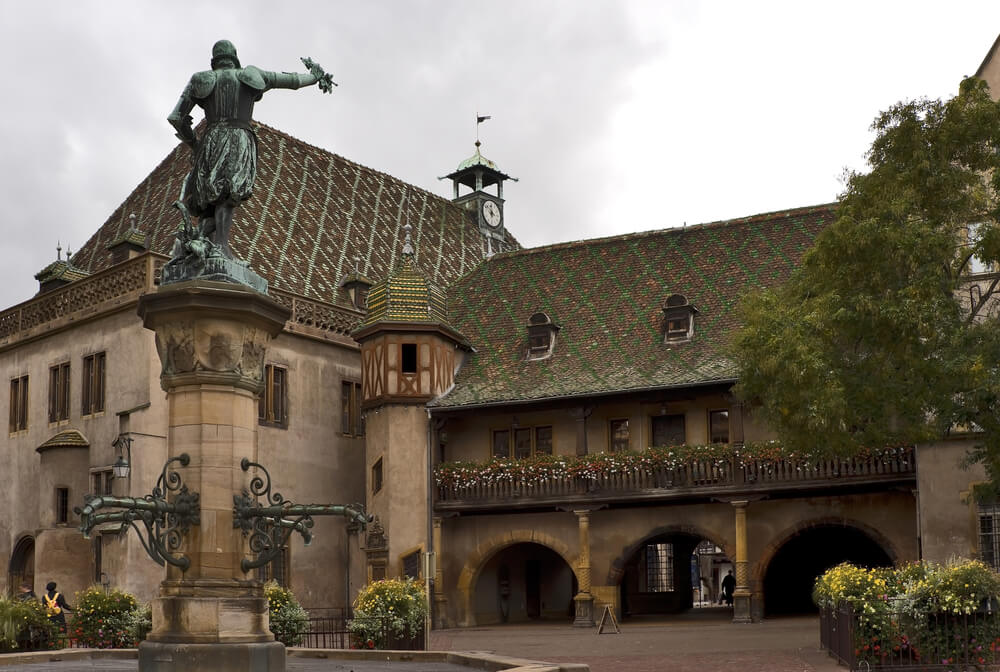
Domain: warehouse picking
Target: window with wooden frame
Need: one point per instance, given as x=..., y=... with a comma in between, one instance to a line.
x=101, y=481
x=541, y=336
x=408, y=358
x=59, y=392
x=410, y=565
x=667, y=430
x=521, y=442
x=352, y=423
x=272, y=407
x=718, y=426
x=618, y=435
x=678, y=319
x=656, y=569
x=93, y=384
x=18, y=404
x=62, y=506
x=377, y=476
x=278, y=569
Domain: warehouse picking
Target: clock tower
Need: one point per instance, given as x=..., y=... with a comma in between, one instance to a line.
x=479, y=173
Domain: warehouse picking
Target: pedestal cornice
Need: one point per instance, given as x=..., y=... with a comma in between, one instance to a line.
x=211, y=332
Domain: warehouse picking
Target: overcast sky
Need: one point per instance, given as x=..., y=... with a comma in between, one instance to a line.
x=616, y=116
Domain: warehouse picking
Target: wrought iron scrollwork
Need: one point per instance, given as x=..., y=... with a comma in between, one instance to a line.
x=271, y=523
x=165, y=522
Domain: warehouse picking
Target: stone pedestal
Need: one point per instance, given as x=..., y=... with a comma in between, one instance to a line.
x=584, y=617
x=211, y=338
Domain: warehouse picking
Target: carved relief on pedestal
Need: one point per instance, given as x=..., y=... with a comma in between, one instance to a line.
x=213, y=346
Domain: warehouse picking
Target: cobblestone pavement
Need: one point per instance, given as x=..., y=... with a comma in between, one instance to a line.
x=700, y=642
x=293, y=665
x=696, y=642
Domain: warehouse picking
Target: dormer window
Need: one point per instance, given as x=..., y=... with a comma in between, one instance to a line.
x=541, y=336
x=678, y=319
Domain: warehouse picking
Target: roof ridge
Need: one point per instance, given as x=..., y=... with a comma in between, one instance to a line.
x=622, y=237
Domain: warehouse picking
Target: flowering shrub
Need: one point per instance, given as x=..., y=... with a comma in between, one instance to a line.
x=387, y=610
x=288, y=620
x=921, y=611
x=540, y=468
x=109, y=620
x=24, y=625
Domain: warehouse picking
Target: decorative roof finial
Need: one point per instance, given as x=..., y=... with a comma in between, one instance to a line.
x=131, y=221
x=58, y=251
x=69, y=253
x=407, y=241
x=357, y=264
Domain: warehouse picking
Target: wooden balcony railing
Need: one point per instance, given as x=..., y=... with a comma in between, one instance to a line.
x=692, y=479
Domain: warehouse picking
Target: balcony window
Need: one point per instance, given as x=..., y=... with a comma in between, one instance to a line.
x=619, y=435
x=668, y=430
x=718, y=426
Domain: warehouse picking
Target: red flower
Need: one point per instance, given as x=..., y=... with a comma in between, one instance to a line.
x=371, y=644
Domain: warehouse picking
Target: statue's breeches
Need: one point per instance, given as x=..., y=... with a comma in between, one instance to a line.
x=224, y=168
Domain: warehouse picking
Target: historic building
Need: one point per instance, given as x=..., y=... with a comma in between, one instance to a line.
x=83, y=371
x=422, y=335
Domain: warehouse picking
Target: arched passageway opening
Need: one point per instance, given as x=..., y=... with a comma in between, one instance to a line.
x=793, y=569
x=22, y=565
x=671, y=573
x=522, y=583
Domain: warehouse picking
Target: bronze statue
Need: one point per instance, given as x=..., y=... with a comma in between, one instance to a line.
x=225, y=156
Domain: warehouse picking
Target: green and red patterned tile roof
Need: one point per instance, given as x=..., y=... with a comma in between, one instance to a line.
x=312, y=214
x=607, y=297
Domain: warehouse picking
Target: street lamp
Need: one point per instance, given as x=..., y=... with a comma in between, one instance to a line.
x=123, y=465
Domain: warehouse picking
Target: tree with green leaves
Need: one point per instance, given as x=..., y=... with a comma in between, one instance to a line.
x=885, y=335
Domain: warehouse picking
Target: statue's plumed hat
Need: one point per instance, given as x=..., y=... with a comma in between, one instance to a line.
x=224, y=49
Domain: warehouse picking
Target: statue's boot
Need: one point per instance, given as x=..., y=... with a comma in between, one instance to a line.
x=223, y=223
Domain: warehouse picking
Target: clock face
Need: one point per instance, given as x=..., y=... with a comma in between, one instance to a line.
x=491, y=213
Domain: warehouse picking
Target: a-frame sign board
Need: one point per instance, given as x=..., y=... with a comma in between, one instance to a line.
x=609, y=613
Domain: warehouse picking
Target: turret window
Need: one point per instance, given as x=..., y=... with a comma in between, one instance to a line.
x=409, y=358
x=541, y=336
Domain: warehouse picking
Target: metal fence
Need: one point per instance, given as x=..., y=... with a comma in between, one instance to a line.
x=326, y=629
x=897, y=640
x=332, y=629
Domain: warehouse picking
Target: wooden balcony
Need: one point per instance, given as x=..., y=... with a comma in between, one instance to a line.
x=695, y=480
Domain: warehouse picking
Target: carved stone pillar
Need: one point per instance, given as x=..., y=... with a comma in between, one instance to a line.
x=584, y=600
x=211, y=338
x=741, y=595
x=440, y=601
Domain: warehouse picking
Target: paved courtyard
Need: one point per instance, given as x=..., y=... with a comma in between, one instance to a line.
x=698, y=642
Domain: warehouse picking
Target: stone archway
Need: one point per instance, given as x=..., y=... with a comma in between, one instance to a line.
x=22, y=564
x=789, y=564
x=664, y=572
x=617, y=568
x=469, y=575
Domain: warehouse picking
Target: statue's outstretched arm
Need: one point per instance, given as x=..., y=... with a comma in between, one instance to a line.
x=295, y=80
x=180, y=118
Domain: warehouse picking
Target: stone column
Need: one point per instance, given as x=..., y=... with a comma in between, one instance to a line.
x=440, y=600
x=741, y=595
x=584, y=600
x=580, y=415
x=211, y=338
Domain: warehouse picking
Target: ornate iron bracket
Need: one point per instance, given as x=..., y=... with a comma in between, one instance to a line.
x=269, y=526
x=165, y=522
